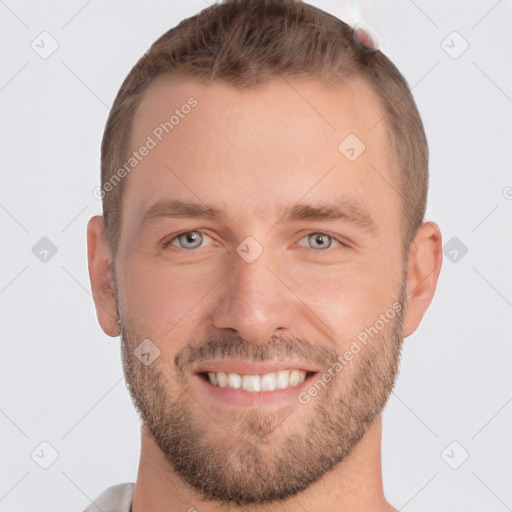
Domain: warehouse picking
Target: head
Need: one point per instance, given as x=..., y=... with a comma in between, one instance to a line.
x=244, y=137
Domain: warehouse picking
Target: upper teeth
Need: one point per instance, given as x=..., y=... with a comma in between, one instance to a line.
x=267, y=382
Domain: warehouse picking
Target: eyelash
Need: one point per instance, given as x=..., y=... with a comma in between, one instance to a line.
x=334, y=238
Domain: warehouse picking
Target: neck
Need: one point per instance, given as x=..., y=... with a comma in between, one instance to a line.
x=353, y=485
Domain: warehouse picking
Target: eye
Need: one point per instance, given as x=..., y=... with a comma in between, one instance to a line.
x=321, y=241
x=187, y=240
x=191, y=240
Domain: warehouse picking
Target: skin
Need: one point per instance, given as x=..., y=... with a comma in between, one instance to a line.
x=251, y=152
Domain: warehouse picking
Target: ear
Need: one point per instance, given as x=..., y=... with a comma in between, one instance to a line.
x=100, y=274
x=424, y=265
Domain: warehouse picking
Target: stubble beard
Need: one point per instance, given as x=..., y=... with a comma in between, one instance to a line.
x=256, y=456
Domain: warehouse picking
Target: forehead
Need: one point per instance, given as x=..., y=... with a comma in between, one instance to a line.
x=254, y=151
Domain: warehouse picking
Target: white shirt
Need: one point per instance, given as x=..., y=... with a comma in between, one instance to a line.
x=117, y=498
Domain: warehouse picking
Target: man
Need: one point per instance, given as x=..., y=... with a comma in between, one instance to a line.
x=262, y=254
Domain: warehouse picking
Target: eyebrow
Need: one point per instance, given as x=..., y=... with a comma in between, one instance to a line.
x=346, y=210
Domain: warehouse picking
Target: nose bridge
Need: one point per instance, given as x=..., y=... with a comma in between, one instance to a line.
x=254, y=302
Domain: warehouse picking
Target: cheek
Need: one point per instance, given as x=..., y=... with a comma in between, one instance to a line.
x=351, y=297
x=159, y=294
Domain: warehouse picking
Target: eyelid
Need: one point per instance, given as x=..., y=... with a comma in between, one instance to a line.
x=337, y=239
x=169, y=241
x=341, y=241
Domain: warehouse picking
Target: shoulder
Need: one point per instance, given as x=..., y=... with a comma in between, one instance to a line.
x=117, y=498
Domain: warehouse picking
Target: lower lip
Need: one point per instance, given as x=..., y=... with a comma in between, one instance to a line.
x=243, y=398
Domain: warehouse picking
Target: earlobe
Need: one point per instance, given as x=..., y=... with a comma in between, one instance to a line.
x=424, y=265
x=100, y=274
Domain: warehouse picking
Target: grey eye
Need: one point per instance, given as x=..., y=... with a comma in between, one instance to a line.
x=320, y=241
x=190, y=239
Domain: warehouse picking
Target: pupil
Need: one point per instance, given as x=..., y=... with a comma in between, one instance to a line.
x=192, y=238
x=320, y=240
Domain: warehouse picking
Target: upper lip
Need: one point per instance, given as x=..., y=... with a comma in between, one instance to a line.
x=252, y=368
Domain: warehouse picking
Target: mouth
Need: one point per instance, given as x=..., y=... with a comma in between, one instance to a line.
x=283, y=379
x=245, y=384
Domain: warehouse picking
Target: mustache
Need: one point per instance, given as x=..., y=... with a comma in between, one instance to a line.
x=277, y=348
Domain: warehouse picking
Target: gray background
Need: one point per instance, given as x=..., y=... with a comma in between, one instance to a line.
x=61, y=377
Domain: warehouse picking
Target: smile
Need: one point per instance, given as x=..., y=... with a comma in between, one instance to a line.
x=242, y=383
x=266, y=382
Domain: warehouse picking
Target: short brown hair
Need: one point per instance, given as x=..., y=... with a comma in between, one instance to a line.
x=246, y=42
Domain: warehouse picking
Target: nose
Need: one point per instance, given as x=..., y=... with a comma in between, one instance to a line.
x=255, y=301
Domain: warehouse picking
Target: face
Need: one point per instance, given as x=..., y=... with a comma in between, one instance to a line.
x=275, y=304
